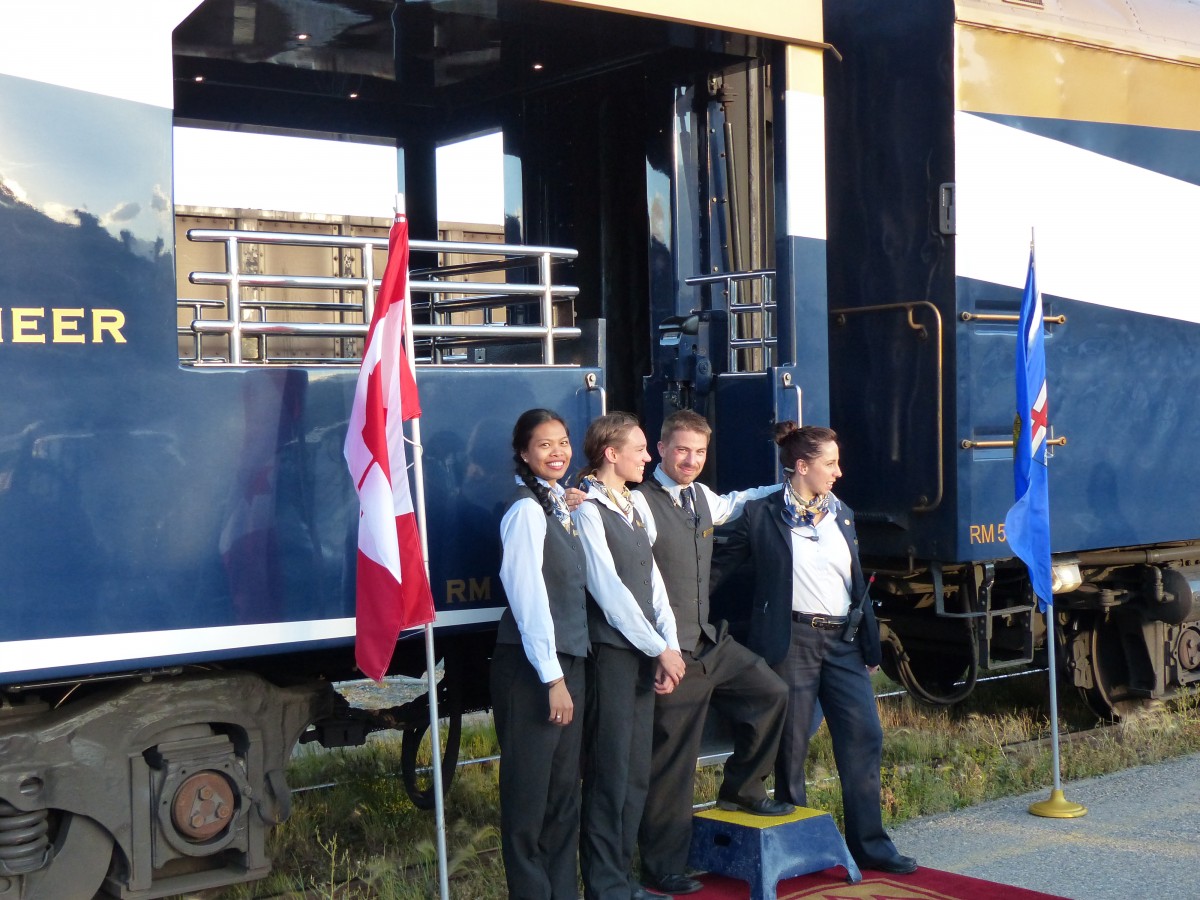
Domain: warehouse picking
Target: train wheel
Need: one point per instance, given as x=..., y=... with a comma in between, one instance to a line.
x=450, y=709
x=1100, y=669
x=80, y=860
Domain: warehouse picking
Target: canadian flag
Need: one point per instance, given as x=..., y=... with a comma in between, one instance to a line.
x=393, y=589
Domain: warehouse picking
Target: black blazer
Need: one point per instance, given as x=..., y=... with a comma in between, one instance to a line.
x=761, y=535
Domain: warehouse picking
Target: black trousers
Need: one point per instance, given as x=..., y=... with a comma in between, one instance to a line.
x=743, y=688
x=539, y=777
x=616, y=767
x=820, y=665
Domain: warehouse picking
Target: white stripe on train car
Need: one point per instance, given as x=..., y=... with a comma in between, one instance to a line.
x=805, y=165
x=118, y=48
x=1107, y=232
x=93, y=649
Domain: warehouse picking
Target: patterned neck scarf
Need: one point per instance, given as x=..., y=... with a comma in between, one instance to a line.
x=621, y=498
x=560, y=510
x=796, y=512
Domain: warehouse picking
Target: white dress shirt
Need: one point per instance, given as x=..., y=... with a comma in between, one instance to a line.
x=523, y=534
x=821, y=576
x=723, y=507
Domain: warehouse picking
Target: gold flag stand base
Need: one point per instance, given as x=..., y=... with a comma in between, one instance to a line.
x=1057, y=807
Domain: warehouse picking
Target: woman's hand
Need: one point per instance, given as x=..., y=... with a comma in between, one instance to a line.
x=671, y=669
x=574, y=497
x=672, y=663
x=562, y=707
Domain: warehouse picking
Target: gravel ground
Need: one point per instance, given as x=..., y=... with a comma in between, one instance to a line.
x=1140, y=838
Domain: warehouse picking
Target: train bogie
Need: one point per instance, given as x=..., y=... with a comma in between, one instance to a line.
x=153, y=786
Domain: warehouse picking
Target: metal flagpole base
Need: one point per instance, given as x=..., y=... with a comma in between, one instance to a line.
x=1057, y=807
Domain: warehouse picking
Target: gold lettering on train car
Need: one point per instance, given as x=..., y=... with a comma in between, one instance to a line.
x=987, y=534
x=110, y=320
x=66, y=326
x=25, y=324
x=472, y=590
x=481, y=589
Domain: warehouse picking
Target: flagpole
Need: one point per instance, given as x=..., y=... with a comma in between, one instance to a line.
x=1057, y=806
x=435, y=740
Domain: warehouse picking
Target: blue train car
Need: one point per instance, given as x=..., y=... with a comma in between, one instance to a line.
x=956, y=132
x=176, y=522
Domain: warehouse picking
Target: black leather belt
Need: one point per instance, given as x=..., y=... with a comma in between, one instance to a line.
x=826, y=623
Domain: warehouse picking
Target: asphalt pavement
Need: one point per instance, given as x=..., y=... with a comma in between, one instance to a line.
x=1139, y=839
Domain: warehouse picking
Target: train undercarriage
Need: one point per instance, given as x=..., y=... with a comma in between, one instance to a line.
x=1127, y=625
x=155, y=783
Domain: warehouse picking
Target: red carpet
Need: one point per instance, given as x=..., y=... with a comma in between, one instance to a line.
x=923, y=884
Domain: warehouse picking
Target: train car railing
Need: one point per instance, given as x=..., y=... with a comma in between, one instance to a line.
x=453, y=318
x=749, y=299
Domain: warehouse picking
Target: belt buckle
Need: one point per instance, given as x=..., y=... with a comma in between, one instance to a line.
x=819, y=622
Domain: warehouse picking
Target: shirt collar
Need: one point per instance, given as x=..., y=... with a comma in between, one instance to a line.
x=673, y=487
x=556, y=488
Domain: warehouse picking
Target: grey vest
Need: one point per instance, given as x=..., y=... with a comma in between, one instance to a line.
x=564, y=569
x=684, y=557
x=633, y=560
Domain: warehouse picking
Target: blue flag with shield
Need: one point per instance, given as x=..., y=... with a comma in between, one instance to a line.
x=1027, y=525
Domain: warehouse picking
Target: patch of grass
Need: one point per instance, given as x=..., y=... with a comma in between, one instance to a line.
x=364, y=840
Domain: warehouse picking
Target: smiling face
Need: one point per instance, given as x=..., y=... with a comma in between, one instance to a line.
x=628, y=461
x=813, y=477
x=548, y=453
x=683, y=455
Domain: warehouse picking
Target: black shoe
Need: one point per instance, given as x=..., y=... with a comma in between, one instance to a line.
x=893, y=865
x=640, y=893
x=764, y=807
x=672, y=884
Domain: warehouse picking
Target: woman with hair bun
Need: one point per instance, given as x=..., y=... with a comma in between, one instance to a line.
x=538, y=668
x=635, y=653
x=813, y=624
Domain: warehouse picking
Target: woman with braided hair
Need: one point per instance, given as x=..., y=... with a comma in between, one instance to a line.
x=538, y=667
x=635, y=653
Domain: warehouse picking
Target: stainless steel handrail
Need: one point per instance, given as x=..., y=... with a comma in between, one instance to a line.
x=444, y=295
x=737, y=308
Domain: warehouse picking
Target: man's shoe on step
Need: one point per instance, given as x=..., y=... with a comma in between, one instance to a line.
x=764, y=807
x=672, y=884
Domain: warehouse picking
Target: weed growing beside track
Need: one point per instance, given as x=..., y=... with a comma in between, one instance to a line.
x=361, y=838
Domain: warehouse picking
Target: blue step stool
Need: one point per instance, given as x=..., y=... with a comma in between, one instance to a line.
x=764, y=850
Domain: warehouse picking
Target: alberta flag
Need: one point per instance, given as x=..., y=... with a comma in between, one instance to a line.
x=1027, y=525
x=393, y=589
